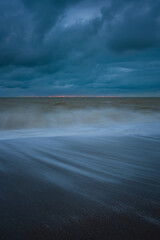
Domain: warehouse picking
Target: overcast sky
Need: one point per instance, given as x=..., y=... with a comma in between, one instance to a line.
x=74, y=47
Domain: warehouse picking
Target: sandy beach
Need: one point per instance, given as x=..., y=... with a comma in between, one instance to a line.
x=80, y=187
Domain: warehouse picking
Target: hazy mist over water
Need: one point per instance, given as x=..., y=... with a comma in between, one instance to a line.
x=59, y=116
x=64, y=158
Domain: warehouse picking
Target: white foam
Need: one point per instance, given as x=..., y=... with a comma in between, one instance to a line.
x=101, y=130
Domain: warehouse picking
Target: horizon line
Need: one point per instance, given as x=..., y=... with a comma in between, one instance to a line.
x=78, y=96
x=62, y=96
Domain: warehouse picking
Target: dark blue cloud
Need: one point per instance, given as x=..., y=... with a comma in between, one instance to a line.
x=79, y=47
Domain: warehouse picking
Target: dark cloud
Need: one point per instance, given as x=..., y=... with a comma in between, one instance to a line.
x=134, y=25
x=74, y=46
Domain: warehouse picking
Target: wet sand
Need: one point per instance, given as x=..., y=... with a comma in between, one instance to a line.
x=79, y=187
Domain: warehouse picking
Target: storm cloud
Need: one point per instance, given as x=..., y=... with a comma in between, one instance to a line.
x=75, y=47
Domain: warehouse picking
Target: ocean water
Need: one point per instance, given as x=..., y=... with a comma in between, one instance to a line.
x=30, y=117
x=64, y=158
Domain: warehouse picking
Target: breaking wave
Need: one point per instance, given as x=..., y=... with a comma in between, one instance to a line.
x=79, y=116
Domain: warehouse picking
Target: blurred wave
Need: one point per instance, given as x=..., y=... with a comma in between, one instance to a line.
x=44, y=113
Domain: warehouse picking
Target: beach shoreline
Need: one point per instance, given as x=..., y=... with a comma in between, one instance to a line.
x=54, y=186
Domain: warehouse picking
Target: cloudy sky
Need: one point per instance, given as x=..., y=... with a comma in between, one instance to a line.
x=74, y=47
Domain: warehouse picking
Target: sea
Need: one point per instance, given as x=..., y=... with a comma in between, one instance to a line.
x=80, y=168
